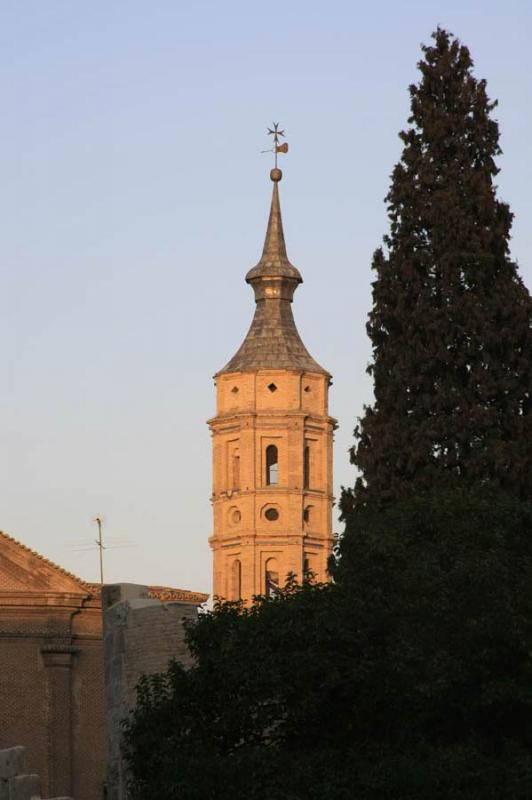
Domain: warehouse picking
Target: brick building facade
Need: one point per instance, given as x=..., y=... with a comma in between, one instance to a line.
x=51, y=670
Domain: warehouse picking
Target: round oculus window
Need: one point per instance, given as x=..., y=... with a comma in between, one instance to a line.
x=271, y=514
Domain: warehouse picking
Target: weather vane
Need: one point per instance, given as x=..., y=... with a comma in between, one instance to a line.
x=277, y=148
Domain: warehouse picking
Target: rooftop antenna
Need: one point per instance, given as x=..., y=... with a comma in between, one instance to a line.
x=112, y=542
x=101, y=548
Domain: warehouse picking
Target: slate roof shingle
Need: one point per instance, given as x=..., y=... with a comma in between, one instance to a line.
x=273, y=341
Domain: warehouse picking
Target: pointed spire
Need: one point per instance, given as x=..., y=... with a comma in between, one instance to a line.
x=274, y=260
x=274, y=244
x=273, y=341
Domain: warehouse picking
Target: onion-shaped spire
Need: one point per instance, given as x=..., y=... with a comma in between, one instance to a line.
x=273, y=341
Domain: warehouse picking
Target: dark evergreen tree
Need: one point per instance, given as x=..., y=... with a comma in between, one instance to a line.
x=406, y=679
x=409, y=676
x=451, y=324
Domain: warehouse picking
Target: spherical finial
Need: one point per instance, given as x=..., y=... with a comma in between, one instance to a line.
x=276, y=175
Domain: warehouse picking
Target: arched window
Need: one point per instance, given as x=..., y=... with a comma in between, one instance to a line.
x=309, y=566
x=236, y=580
x=272, y=466
x=306, y=467
x=236, y=470
x=271, y=578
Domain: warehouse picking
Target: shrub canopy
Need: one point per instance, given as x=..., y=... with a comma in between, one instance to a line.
x=409, y=677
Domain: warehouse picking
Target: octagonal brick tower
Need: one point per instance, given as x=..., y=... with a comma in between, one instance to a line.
x=272, y=442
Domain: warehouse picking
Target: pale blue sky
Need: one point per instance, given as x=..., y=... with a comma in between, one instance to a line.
x=134, y=200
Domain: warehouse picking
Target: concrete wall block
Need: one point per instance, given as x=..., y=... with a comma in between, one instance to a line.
x=141, y=635
x=12, y=762
x=25, y=787
x=15, y=784
x=121, y=592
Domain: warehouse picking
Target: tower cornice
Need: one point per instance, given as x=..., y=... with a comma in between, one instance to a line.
x=232, y=418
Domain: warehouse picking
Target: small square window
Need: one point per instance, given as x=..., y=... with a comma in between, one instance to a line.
x=235, y=389
x=272, y=387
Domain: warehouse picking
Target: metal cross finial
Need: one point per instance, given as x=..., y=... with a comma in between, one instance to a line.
x=275, y=132
x=277, y=148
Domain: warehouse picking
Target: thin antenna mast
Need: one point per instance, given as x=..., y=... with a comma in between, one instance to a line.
x=111, y=543
x=101, y=547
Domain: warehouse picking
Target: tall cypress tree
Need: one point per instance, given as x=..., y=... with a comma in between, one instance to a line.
x=451, y=324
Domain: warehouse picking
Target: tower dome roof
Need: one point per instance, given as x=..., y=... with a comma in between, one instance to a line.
x=273, y=341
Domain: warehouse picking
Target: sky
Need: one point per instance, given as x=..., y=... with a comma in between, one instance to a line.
x=134, y=200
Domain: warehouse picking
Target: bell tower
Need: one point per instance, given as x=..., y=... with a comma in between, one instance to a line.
x=272, y=441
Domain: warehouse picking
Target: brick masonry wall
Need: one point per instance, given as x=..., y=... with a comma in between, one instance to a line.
x=140, y=637
x=16, y=782
x=250, y=417
x=54, y=704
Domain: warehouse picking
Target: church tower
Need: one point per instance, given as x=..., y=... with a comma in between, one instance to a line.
x=272, y=441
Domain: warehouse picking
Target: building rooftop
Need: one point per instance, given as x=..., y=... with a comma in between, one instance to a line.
x=24, y=571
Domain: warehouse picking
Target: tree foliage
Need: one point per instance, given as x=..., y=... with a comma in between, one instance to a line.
x=451, y=325
x=409, y=677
